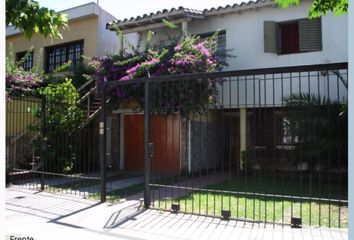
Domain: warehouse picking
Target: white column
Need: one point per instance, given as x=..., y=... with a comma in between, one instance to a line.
x=121, y=43
x=184, y=28
x=243, y=133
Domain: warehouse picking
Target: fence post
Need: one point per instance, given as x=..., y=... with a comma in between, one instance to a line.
x=102, y=139
x=43, y=142
x=147, y=196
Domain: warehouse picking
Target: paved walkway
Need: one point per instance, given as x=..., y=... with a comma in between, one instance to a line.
x=43, y=215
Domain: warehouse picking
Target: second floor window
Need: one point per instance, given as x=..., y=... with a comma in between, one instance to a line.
x=60, y=54
x=26, y=63
x=295, y=36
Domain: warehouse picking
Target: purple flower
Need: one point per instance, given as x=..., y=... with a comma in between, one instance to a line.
x=152, y=61
x=127, y=77
x=203, y=49
x=178, y=47
x=133, y=69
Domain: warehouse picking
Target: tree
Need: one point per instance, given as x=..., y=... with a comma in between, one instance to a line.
x=320, y=7
x=29, y=17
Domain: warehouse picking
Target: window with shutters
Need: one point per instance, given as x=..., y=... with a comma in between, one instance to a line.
x=60, y=54
x=296, y=36
x=289, y=38
x=26, y=63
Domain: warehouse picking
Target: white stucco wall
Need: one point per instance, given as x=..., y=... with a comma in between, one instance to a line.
x=271, y=90
x=244, y=34
x=108, y=41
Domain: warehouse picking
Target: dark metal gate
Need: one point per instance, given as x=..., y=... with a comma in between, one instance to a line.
x=264, y=145
x=42, y=156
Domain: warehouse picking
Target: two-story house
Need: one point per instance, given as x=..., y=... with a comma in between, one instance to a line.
x=260, y=35
x=86, y=35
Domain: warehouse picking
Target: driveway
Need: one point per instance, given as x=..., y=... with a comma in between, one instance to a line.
x=43, y=215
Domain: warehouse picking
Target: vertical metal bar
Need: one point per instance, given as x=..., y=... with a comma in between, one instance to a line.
x=230, y=141
x=200, y=93
x=319, y=192
x=222, y=146
x=147, y=194
x=166, y=108
x=160, y=109
x=43, y=142
x=273, y=147
x=252, y=145
x=339, y=142
x=292, y=152
x=102, y=143
x=282, y=151
x=207, y=144
x=244, y=162
x=301, y=159
x=310, y=165
x=329, y=100
x=264, y=132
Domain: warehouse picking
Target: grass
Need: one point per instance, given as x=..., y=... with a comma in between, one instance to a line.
x=250, y=207
x=266, y=208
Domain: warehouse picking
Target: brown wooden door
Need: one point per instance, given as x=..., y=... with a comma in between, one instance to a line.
x=134, y=142
x=165, y=135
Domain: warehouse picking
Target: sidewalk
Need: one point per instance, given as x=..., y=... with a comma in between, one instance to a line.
x=43, y=215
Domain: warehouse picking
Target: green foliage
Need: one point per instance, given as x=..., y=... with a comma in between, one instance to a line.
x=62, y=118
x=169, y=24
x=29, y=17
x=63, y=115
x=320, y=128
x=320, y=7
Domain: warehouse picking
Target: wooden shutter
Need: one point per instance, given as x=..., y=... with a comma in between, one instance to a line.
x=310, y=35
x=270, y=37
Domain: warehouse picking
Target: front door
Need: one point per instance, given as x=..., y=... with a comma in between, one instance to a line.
x=165, y=134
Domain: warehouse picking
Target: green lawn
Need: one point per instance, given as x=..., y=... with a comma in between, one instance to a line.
x=251, y=207
x=262, y=208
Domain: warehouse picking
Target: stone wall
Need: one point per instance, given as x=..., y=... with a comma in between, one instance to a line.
x=205, y=145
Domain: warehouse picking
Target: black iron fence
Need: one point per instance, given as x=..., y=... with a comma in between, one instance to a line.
x=45, y=155
x=264, y=145
x=267, y=145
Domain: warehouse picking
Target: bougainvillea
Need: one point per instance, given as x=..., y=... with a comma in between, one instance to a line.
x=22, y=83
x=192, y=55
x=18, y=81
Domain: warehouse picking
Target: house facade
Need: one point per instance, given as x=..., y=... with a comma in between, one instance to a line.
x=86, y=35
x=260, y=35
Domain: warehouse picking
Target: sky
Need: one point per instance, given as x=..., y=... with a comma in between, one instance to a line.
x=132, y=8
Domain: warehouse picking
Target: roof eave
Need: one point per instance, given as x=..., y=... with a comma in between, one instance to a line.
x=152, y=19
x=237, y=8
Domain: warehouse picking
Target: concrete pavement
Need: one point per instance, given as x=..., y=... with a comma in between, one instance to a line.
x=43, y=215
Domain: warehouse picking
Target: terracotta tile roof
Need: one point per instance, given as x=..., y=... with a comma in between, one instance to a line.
x=181, y=12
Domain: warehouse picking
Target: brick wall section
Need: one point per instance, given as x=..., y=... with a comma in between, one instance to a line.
x=115, y=141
